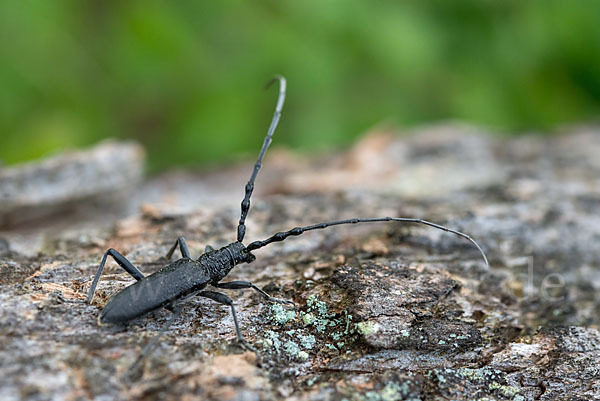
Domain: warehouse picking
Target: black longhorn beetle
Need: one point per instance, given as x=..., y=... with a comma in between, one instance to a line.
x=188, y=277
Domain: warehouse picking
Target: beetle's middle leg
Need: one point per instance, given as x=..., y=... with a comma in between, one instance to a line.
x=121, y=261
x=225, y=300
x=176, y=311
x=182, y=248
x=240, y=285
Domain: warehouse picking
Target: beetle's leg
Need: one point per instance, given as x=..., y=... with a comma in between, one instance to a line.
x=208, y=249
x=225, y=300
x=149, y=347
x=240, y=285
x=121, y=261
x=182, y=247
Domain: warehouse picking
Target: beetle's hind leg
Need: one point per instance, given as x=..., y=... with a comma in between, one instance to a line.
x=225, y=300
x=240, y=285
x=176, y=311
x=182, y=248
x=121, y=261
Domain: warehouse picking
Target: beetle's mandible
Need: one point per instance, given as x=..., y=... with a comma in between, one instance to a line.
x=189, y=277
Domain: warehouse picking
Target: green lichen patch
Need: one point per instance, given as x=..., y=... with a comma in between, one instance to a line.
x=281, y=315
x=307, y=318
x=387, y=387
x=474, y=383
x=294, y=351
x=307, y=328
x=367, y=328
x=317, y=314
x=308, y=341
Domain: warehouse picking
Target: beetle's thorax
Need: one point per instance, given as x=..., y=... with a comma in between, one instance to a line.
x=220, y=262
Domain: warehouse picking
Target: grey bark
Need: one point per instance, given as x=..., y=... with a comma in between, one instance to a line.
x=385, y=311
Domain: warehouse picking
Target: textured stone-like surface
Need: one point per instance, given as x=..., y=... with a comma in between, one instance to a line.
x=55, y=185
x=385, y=311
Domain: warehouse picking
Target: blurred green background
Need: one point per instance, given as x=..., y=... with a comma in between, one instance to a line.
x=186, y=78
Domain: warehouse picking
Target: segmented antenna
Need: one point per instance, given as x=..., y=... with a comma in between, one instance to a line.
x=280, y=236
x=241, y=230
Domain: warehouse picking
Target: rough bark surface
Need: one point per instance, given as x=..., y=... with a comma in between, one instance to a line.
x=384, y=311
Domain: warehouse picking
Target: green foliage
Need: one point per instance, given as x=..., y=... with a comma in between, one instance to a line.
x=185, y=77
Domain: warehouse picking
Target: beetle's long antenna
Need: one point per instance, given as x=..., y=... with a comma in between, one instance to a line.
x=280, y=236
x=241, y=230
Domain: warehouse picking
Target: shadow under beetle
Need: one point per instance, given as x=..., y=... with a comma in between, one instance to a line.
x=189, y=277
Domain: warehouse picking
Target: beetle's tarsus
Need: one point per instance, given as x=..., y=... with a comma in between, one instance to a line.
x=61, y=298
x=282, y=301
x=246, y=345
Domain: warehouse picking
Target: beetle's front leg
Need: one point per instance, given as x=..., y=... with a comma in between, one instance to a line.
x=240, y=285
x=225, y=300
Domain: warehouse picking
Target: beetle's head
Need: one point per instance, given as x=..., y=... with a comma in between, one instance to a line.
x=248, y=256
x=241, y=253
